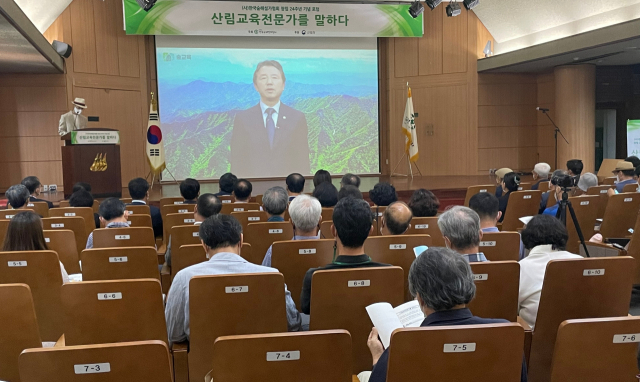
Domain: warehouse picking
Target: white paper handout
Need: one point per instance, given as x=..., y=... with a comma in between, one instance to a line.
x=526, y=219
x=387, y=319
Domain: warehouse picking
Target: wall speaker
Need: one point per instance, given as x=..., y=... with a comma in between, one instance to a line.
x=62, y=48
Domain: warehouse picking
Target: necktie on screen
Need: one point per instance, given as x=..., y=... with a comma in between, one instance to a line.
x=271, y=125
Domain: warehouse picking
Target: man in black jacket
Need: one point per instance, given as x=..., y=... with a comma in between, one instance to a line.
x=34, y=186
x=352, y=224
x=442, y=282
x=139, y=191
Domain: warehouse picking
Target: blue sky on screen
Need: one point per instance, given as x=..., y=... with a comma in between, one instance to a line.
x=308, y=66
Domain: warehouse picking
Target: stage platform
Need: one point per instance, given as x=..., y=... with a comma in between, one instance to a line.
x=451, y=190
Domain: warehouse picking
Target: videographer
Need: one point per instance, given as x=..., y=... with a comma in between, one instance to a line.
x=561, y=182
x=552, y=190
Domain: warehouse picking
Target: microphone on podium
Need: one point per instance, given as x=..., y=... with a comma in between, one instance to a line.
x=542, y=109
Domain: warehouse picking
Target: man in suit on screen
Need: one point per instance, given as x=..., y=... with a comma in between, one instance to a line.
x=271, y=138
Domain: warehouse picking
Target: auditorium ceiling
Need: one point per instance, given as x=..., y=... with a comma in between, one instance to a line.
x=517, y=24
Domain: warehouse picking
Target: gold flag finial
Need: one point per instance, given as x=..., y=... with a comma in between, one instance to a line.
x=154, y=103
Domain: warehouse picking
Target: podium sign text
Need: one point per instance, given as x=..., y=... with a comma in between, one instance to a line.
x=81, y=137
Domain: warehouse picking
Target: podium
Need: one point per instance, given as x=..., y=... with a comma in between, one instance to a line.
x=92, y=156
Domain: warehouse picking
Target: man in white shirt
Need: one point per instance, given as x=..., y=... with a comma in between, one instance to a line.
x=546, y=238
x=221, y=237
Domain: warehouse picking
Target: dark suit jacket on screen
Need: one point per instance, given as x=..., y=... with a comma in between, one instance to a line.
x=251, y=156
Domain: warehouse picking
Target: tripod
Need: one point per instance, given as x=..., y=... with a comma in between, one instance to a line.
x=555, y=134
x=562, y=215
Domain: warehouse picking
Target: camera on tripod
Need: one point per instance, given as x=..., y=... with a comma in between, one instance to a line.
x=564, y=181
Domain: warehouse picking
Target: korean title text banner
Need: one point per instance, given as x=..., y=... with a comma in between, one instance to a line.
x=234, y=18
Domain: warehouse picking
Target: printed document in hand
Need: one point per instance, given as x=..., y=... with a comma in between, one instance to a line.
x=387, y=319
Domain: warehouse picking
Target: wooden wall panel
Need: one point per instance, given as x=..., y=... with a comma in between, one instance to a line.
x=106, y=25
x=576, y=113
x=455, y=45
x=507, y=121
x=444, y=83
x=30, y=108
x=430, y=45
x=83, y=36
x=406, y=56
x=546, y=99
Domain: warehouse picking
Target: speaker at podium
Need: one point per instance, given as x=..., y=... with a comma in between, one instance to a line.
x=92, y=156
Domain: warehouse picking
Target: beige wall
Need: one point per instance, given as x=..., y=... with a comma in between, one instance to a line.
x=441, y=69
x=107, y=68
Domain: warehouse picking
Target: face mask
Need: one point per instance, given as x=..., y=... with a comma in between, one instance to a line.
x=77, y=110
x=618, y=177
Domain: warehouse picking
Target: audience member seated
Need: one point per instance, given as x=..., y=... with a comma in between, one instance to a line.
x=487, y=206
x=460, y=227
x=32, y=183
x=18, y=196
x=83, y=198
x=586, y=181
x=636, y=164
x=443, y=285
x=321, y=176
x=295, y=185
x=327, y=194
x=510, y=183
x=352, y=224
x=546, y=238
x=208, y=205
x=541, y=174
x=306, y=216
x=349, y=191
x=625, y=172
x=575, y=167
x=424, y=203
x=84, y=185
x=139, y=191
x=226, y=183
x=350, y=179
x=25, y=233
x=499, y=177
x=274, y=203
x=190, y=190
x=396, y=219
x=557, y=193
x=383, y=194
x=242, y=191
x=112, y=215
x=221, y=237
x=552, y=190
x=634, y=160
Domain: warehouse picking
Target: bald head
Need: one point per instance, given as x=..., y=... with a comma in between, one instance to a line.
x=396, y=219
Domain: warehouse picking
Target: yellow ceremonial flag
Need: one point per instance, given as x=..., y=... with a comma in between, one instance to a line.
x=409, y=130
x=155, y=146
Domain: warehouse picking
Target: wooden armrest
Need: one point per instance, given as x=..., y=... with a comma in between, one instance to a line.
x=165, y=278
x=528, y=337
x=180, y=361
x=60, y=343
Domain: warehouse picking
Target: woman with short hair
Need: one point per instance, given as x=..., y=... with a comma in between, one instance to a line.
x=510, y=183
x=546, y=238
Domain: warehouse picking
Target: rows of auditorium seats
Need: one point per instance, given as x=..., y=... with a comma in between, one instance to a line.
x=111, y=325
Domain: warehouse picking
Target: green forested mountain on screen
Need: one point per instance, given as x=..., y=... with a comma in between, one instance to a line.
x=343, y=136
